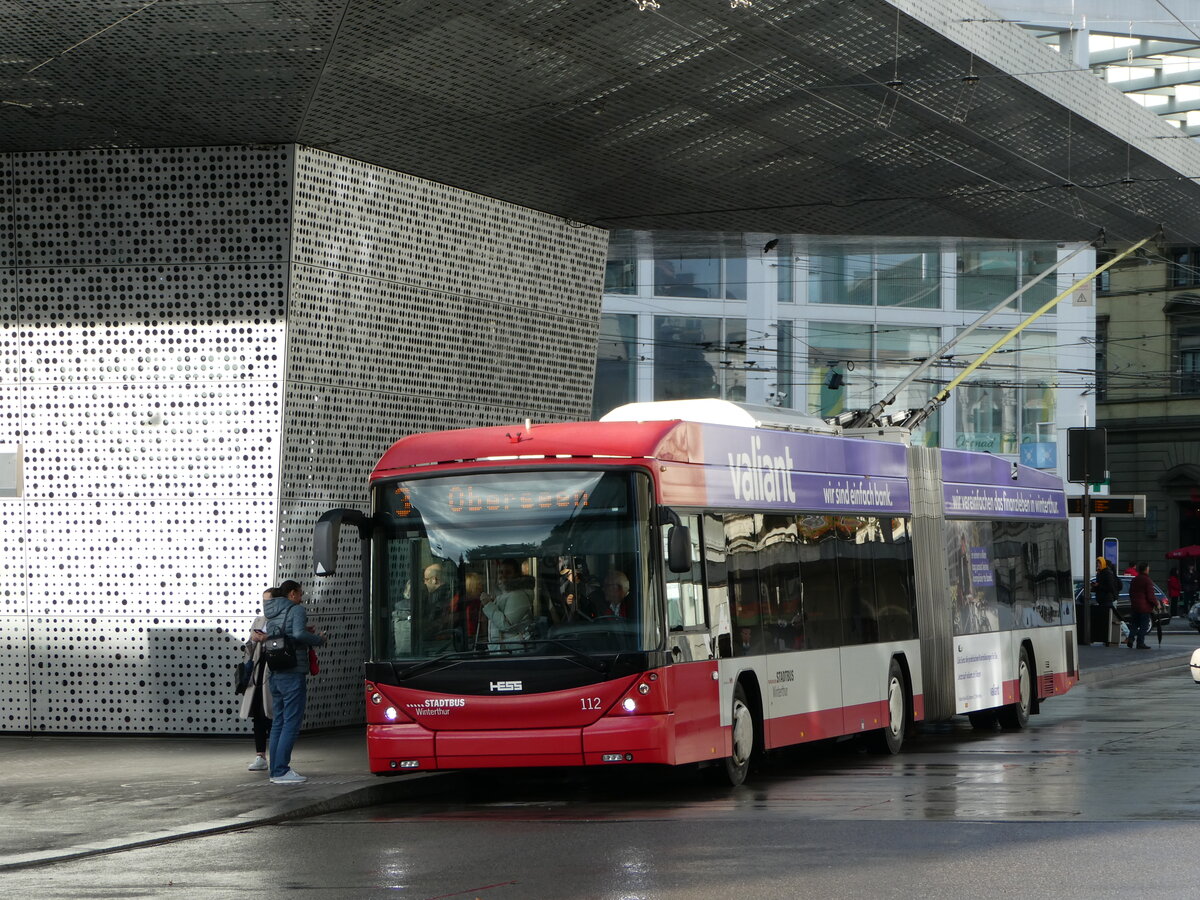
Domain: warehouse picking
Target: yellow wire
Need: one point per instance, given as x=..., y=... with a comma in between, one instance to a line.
x=1049, y=304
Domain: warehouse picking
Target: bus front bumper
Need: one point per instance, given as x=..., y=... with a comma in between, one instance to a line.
x=398, y=748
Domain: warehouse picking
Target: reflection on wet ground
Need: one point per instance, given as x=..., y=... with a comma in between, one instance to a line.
x=1108, y=753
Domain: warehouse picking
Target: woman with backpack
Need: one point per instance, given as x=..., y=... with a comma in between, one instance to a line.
x=287, y=618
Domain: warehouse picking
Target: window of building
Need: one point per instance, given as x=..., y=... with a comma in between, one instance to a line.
x=1104, y=280
x=783, y=392
x=1034, y=261
x=1014, y=401
x=785, y=275
x=620, y=271
x=871, y=360
x=700, y=277
x=908, y=279
x=1186, y=336
x=697, y=356
x=985, y=277
x=1101, y=357
x=1184, y=270
x=838, y=276
x=616, y=363
x=856, y=278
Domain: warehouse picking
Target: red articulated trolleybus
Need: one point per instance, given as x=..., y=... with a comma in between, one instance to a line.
x=694, y=583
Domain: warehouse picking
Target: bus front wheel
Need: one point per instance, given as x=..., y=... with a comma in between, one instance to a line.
x=737, y=764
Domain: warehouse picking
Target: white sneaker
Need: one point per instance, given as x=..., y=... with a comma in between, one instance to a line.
x=291, y=776
x=259, y=765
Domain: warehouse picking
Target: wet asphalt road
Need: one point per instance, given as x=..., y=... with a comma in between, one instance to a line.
x=1099, y=798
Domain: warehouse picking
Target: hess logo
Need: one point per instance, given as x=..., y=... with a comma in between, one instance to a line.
x=499, y=686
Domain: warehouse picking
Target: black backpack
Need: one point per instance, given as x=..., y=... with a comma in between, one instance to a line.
x=280, y=649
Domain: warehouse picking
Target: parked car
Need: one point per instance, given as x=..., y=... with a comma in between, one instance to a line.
x=1161, y=616
x=1194, y=616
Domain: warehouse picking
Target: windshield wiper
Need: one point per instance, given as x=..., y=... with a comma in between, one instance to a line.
x=576, y=654
x=437, y=661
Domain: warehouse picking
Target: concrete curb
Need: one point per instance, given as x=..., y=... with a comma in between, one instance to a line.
x=1156, y=662
x=389, y=790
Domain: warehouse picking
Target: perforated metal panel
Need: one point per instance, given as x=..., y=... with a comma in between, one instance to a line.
x=414, y=307
x=190, y=397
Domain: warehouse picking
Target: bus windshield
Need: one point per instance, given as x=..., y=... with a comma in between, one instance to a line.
x=513, y=564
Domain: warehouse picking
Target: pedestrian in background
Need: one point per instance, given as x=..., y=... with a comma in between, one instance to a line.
x=1107, y=587
x=256, y=698
x=286, y=616
x=1174, y=591
x=1189, y=584
x=1141, y=605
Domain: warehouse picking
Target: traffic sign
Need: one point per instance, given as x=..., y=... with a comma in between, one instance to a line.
x=1130, y=505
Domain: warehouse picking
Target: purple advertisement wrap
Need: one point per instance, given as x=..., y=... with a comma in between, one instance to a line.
x=802, y=471
x=990, y=501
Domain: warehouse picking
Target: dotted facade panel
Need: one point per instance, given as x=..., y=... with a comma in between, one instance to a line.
x=133, y=674
x=413, y=307
x=14, y=673
x=196, y=369
x=143, y=318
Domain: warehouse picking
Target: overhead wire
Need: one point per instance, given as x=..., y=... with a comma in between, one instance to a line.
x=999, y=187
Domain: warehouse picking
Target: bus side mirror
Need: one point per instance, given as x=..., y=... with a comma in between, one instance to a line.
x=326, y=532
x=679, y=549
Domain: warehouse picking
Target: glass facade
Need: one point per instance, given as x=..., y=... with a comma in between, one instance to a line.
x=985, y=277
x=1016, y=405
x=829, y=326
x=870, y=361
x=699, y=357
x=616, y=363
x=854, y=278
x=703, y=278
x=620, y=271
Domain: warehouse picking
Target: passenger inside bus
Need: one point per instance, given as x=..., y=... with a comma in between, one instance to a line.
x=438, y=603
x=615, y=599
x=510, y=611
x=467, y=615
x=578, y=593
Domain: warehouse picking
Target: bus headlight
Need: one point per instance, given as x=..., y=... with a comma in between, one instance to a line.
x=643, y=688
x=390, y=714
x=629, y=704
x=377, y=698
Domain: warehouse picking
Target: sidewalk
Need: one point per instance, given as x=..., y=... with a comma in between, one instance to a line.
x=71, y=796
x=1098, y=663
x=67, y=797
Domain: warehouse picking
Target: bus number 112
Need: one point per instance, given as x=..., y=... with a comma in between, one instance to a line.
x=591, y=703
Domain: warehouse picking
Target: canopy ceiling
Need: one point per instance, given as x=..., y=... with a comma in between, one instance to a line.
x=851, y=117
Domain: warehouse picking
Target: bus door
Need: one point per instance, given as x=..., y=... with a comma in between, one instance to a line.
x=695, y=692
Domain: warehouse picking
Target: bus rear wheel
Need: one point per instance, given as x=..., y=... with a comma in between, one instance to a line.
x=890, y=738
x=1016, y=715
x=737, y=764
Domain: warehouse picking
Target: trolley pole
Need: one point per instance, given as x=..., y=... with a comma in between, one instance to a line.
x=1085, y=627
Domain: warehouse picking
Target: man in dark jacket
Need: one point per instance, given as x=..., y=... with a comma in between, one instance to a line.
x=1141, y=605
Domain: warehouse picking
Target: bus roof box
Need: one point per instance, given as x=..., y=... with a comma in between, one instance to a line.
x=1195, y=667
x=892, y=433
x=711, y=411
